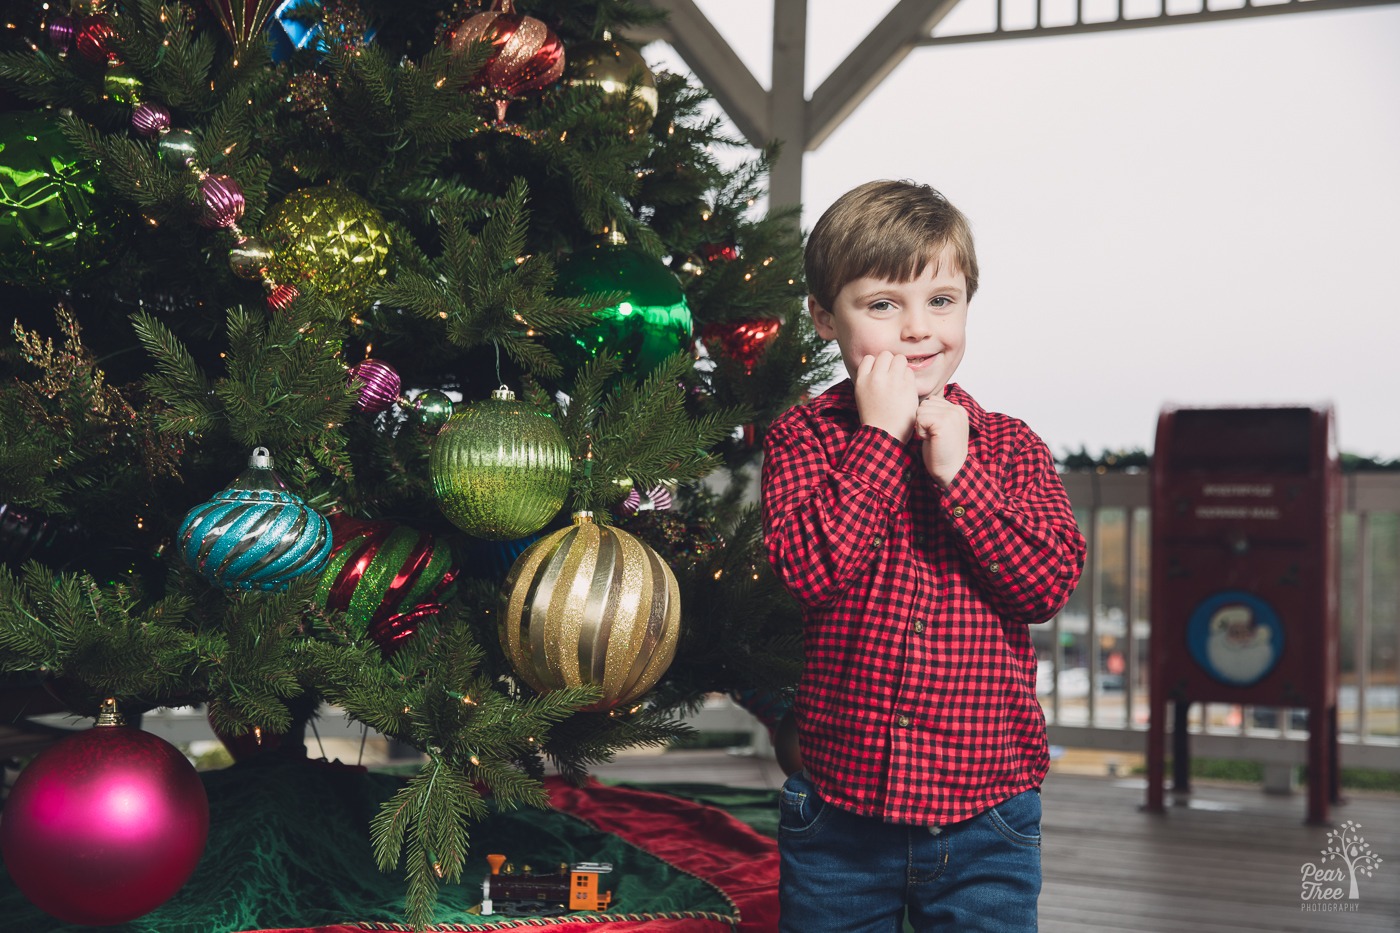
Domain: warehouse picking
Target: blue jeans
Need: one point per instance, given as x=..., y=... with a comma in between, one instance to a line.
x=842, y=873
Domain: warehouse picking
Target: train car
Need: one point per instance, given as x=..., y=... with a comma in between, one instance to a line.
x=523, y=892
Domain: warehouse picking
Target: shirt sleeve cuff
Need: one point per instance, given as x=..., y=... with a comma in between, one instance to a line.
x=877, y=459
x=972, y=498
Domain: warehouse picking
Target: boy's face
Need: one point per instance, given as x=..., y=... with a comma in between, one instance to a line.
x=924, y=320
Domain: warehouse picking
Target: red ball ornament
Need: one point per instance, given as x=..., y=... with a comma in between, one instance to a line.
x=280, y=297
x=526, y=54
x=744, y=341
x=104, y=826
x=719, y=252
x=94, y=40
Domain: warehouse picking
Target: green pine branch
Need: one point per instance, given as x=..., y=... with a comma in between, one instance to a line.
x=642, y=431
x=483, y=287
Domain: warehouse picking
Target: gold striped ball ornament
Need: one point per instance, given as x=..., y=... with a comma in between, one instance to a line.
x=591, y=606
x=500, y=467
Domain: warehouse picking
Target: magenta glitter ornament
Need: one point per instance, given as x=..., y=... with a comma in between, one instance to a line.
x=223, y=201
x=381, y=385
x=61, y=31
x=104, y=826
x=150, y=120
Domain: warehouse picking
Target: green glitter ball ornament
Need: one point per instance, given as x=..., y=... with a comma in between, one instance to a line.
x=332, y=238
x=48, y=230
x=500, y=468
x=652, y=322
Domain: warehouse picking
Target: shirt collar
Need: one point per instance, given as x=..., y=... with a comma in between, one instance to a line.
x=842, y=397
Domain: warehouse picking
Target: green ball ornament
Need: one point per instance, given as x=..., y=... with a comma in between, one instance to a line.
x=642, y=329
x=178, y=147
x=332, y=238
x=431, y=410
x=48, y=228
x=120, y=84
x=249, y=257
x=500, y=468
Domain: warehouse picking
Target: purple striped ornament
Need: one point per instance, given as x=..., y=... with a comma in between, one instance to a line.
x=223, y=201
x=61, y=30
x=381, y=385
x=150, y=120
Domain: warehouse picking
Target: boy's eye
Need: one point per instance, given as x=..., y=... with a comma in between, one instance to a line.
x=881, y=305
x=942, y=301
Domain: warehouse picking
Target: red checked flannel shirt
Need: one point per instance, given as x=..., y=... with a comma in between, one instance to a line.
x=917, y=704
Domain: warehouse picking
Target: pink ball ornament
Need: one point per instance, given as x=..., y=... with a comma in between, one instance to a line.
x=222, y=201
x=150, y=119
x=380, y=385
x=104, y=826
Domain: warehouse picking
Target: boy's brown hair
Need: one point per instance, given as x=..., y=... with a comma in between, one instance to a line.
x=886, y=230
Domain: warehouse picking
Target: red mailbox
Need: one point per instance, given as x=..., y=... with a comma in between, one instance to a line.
x=1245, y=510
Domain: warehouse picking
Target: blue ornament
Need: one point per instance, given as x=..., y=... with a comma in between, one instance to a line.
x=294, y=27
x=254, y=534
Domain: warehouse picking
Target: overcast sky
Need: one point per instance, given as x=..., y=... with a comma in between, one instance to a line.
x=1200, y=215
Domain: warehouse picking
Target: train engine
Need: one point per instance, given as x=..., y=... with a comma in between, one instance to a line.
x=526, y=892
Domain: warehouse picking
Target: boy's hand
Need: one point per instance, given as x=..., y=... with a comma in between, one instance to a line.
x=942, y=425
x=886, y=395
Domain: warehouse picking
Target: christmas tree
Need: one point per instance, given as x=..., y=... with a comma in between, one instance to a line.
x=353, y=341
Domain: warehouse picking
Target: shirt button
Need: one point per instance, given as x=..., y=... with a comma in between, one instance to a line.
x=959, y=511
x=877, y=541
x=918, y=625
x=994, y=567
x=918, y=537
x=902, y=720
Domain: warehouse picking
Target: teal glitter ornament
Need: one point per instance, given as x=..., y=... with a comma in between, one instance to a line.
x=652, y=322
x=500, y=468
x=48, y=228
x=254, y=534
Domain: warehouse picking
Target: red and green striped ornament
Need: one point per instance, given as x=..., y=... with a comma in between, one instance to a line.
x=386, y=577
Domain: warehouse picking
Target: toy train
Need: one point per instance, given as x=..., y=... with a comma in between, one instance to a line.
x=525, y=892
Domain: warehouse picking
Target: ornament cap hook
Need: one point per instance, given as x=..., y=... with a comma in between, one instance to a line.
x=583, y=518
x=109, y=714
x=503, y=394
x=261, y=458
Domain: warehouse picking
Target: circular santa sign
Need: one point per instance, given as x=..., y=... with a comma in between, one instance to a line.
x=1236, y=637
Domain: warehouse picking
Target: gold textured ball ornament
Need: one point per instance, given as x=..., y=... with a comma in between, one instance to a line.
x=500, y=467
x=612, y=67
x=331, y=237
x=591, y=606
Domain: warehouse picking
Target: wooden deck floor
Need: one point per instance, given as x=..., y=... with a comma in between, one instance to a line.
x=1229, y=861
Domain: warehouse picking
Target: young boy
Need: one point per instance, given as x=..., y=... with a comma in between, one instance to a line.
x=922, y=535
